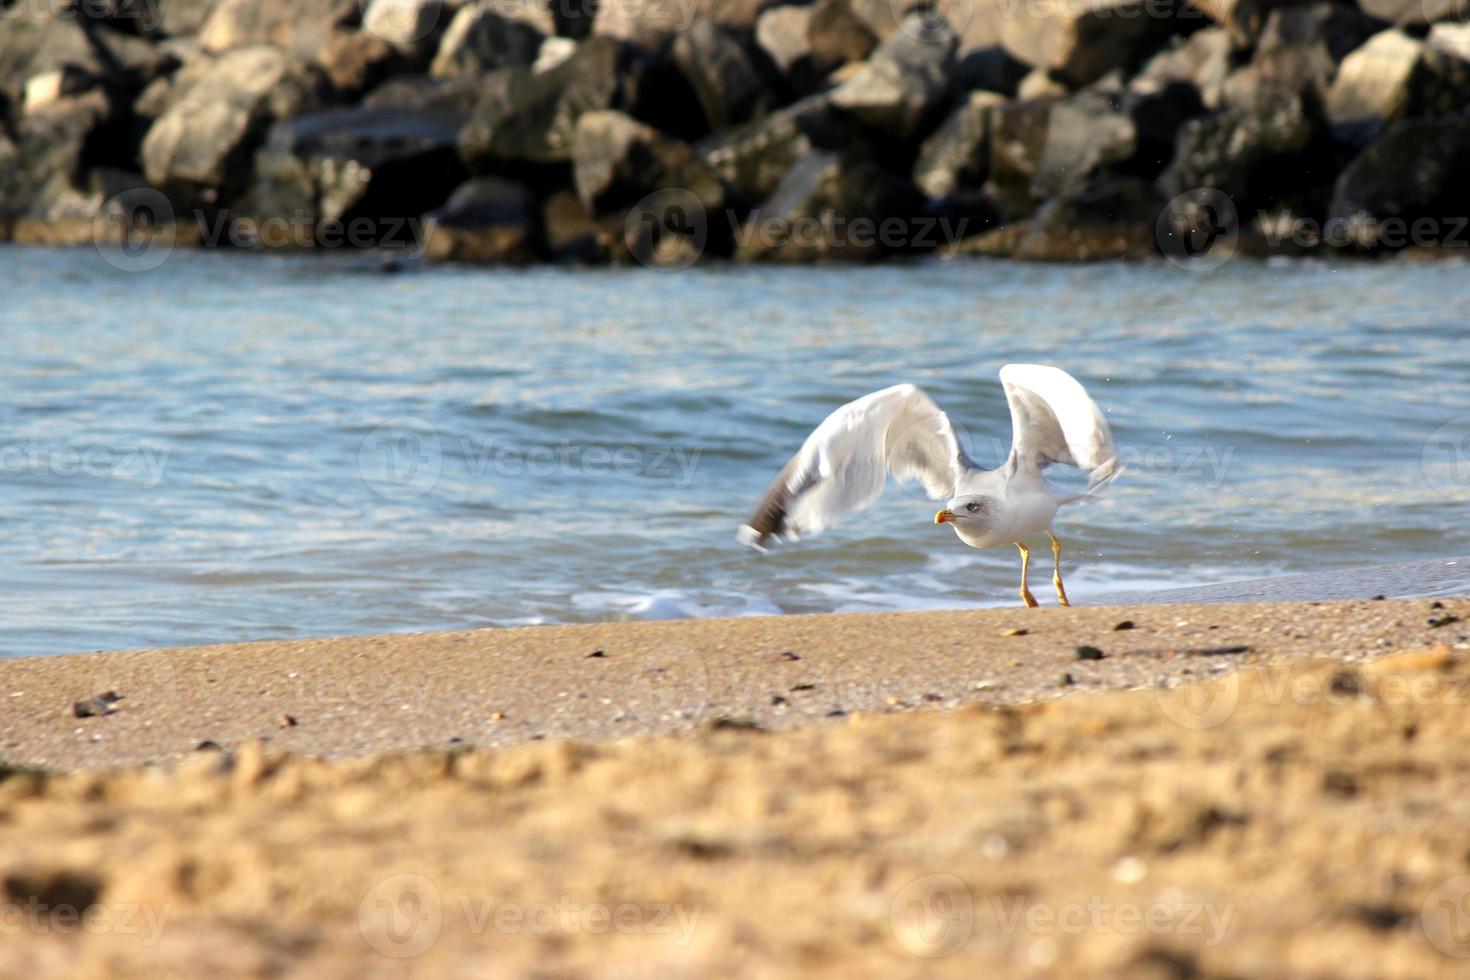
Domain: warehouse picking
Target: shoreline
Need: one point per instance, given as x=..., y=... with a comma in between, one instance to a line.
x=496, y=688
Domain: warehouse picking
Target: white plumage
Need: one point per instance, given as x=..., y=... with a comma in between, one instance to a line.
x=842, y=466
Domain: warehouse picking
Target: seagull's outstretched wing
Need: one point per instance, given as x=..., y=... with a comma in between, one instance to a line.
x=1054, y=420
x=842, y=465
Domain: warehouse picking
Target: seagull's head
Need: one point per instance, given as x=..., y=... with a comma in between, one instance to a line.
x=966, y=513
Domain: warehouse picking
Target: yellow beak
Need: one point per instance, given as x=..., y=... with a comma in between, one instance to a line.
x=944, y=516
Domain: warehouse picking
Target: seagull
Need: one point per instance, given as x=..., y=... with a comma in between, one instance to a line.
x=842, y=466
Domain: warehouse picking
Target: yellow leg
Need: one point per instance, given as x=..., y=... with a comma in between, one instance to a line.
x=1056, y=573
x=1026, y=595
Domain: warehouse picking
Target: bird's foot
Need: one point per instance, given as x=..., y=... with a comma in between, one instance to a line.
x=1061, y=592
x=1029, y=599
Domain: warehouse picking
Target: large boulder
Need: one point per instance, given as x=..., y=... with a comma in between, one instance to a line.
x=34, y=41
x=807, y=43
x=827, y=208
x=486, y=220
x=725, y=79
x=649, y=25
x=955, y=159
x=1114, y=219
x=1242, y=20
x=1299, y=51
x=219, y=111
x=426, y=94
x=1257, y=155
x=1083, y=41
x=905, y=82
x=1203, y=60
x=1414, y=171
x=409, y=25
x=752, y=159
x=385, y=165
x=49, y=157
x=527, y=118
x=1414, y=13
x=1044, y=148
x=617, y=161
x=483, y=37
x=301, y=26
x=1375, y=84
x=182, y=18
x=570, y=232
x=354, y=61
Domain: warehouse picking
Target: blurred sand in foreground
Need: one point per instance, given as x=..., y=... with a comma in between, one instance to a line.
x=1297, y=817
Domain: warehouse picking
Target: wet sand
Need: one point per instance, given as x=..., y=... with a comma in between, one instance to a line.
x=496, y=688
x=894, y=795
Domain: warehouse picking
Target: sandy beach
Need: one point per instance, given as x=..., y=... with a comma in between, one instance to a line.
x=1171, y=791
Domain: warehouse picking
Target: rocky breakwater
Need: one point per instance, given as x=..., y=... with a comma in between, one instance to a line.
x=669, y=131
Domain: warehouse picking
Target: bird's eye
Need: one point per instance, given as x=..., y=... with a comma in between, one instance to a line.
x=972, y=507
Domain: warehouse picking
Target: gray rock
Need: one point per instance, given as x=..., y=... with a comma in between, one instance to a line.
x=1044, y=148
x=1375, y=84
x=649, y=25
x=781, y=33
x=618, y=160
x=34, y=41
x=1255, y=155
x=408, y=25
x=427, y=94
x=725, y=80
x=384, y=164
x=354, y=61
x=752, y=159
x=956, y=157
x=219, y=112
x=49, y=156
x=1415, y=170
x=1242, y=20
x=571, y=234
x=903, y=84
x=827, y=208
x=1081, y=42
x=808, y=43
x=184, y=18
x=481, y=38
x=1395, y=77
x=1414, y=13
x=486, y=220
x=1116, y=219
x=1299, y=51
x=301, y=26
x=1202, y=60
x=528, y=118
